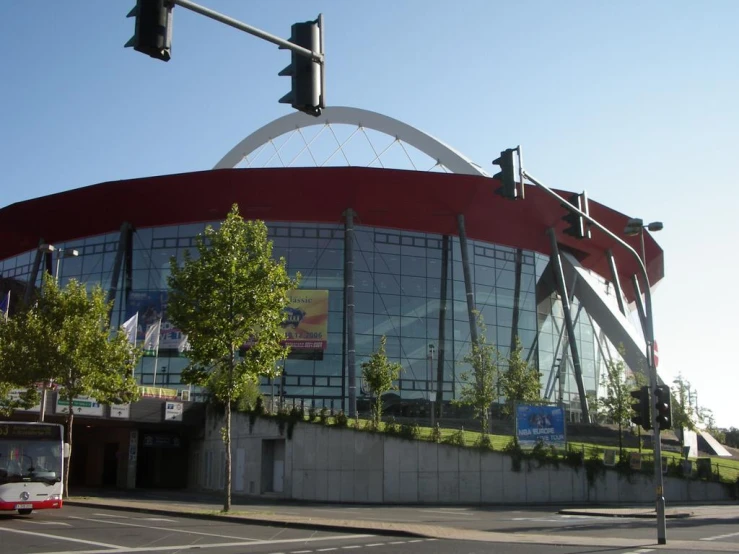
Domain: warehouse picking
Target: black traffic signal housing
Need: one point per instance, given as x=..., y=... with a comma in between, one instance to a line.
x=663, y=405
x=153, y=32
x=579, y=227
x=306, y=94
x=507, y=175
x=640, y=416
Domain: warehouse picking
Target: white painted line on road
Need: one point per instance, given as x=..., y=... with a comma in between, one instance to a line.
x=448, y=512
x=326, y=549
x=189, y=532
x=57, y=537
x=48, y=523
x=397, y=542
x=301, y=551
x=717, y=537
x=375, y=544
x=350, y=547
x=416, y=540
x=158, y=519
x=198, y=546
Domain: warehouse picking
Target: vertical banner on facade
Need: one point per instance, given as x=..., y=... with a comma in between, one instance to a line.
x=539, y=423
x=306, y=320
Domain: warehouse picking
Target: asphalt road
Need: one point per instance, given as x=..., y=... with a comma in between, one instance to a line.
x=78, y=530
x=710, y=524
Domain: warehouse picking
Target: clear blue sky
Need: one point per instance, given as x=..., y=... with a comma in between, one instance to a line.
x=634, y=101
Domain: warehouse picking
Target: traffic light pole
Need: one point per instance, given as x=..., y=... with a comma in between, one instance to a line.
x=282, y=43
x=649, y=328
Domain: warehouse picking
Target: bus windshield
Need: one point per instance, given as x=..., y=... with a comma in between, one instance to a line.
x=30, y=460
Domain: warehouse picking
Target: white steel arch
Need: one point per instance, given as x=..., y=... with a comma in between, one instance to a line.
x=445, y=155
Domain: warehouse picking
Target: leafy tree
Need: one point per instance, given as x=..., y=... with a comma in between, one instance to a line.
x=66, y=338
x=229, y=301
x=732, y=437
x=709, y=421
x=521, y=383
x=17, y=369
x=479, y=386
x=595, y=405
x=683, y=415
x=617, y=400
x=379, y=375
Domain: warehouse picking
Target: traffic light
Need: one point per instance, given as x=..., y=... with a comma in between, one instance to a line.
x=307, y=76
x=506, y=175
x=663, y=405
x=579, y=227
x=153, y=34
x=641, y=408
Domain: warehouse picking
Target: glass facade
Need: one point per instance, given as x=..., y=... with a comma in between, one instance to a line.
x=398, y=293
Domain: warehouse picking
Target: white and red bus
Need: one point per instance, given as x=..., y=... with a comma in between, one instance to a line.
x=31, y=466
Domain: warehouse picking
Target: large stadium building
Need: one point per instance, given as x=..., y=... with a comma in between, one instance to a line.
x=410, y=254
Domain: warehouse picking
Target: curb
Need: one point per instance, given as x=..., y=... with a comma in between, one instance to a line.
x=256, y=520
x=638, y=515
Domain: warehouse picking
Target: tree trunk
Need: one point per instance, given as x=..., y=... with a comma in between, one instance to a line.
x=68, y=462
x=227, y=437
x=227, y=441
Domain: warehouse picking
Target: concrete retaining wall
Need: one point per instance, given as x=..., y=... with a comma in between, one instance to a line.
x=339, y=465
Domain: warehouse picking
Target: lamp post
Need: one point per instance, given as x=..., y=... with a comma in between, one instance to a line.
x=61, y=253
x=649, y=336
x=430, y=383
x=635, y=226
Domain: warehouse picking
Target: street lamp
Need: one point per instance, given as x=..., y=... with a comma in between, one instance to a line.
x=61, y=253
x=635, y=226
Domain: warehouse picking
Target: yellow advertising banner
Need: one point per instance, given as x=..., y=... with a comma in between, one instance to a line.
x=306, y=320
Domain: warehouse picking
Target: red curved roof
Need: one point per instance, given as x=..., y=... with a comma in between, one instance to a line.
x=418, y=201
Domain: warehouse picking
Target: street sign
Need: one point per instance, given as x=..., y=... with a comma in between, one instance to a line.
x=120, y=411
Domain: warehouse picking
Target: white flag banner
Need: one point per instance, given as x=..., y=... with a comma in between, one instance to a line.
x=151, y=341
x=131, y=327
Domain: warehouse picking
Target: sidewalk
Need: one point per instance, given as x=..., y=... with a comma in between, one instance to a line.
x=277, y=512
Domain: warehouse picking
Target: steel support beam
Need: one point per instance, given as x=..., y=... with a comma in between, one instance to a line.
x=560, y=279
x=616, y=281
x=349, y=309
x=467, y=278
x=34, y=274
x=442, y=323
x=124, y=240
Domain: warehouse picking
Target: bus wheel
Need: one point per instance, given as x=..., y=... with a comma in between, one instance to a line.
x=24, y=512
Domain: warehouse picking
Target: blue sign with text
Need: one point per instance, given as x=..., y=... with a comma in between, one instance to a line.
x=536, y=423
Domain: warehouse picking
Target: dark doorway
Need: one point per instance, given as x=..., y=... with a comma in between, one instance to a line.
x=110, y=464
x=78, y=467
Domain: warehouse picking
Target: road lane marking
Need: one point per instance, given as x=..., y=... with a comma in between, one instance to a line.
x=375, y=544
x=57, y=537
x=126, y=524
x=717, y=537
x=196, y=546
x=158, y=519
x=450, y=513
x=48, y=523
